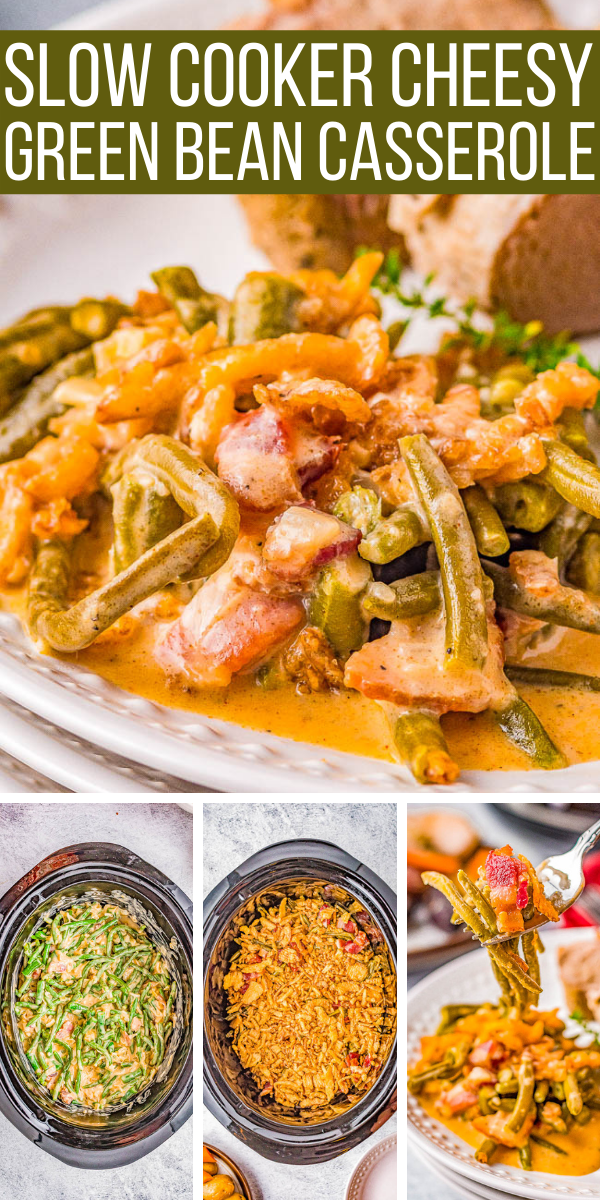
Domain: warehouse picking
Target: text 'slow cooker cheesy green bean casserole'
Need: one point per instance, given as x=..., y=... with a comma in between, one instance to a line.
x=260, y=509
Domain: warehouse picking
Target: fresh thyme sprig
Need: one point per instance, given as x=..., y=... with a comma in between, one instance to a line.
x=537, y=349
x=578, y=1016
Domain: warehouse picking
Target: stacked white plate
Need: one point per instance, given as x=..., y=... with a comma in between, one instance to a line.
x=470, y=980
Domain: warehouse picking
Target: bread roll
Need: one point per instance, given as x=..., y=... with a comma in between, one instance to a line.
x=317, y=231
x=536, y=256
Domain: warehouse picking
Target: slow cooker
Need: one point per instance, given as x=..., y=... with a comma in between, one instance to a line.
x=78, y=1136
x=230, y=1094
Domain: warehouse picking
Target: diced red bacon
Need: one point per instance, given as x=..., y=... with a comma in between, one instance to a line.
x=480, y=1075
x=507, y=881
x=325, y=915
x=255, y=459
x=355, y=947
x=459, y=1098
x=303, y=539
x=485, y=1053
x=367, y=1061
x=313, y=452
x=348, y=925
x=352, y=1059
x=228, y=627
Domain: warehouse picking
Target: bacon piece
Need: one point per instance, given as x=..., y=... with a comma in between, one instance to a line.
x=458, y=1098
x=255, y=459
x=485, y=1052
x=226, y=629
x=314, y=453
x=406, y=668
x=508, y=883
x=303, y=539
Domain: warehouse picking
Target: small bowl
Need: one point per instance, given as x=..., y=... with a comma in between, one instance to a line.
x=237, y=1174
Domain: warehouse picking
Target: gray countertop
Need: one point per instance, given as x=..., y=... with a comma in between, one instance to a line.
x=162, y=834
x=495, y=829
x=231, y=833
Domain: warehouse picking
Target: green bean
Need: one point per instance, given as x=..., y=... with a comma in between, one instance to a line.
x=528, y=943
x=95, y=319
x=542, y=677
x=192, y=303
x=451, y=1013
x=478, y=900
x=510, y=1088
x=539, y=1141
x=524, y=729
x=394, y=536
x=202, y=544
x=558, y=1089
x=484, y=1152
x=335, y=604
x=265, y=305
x=421, y=744
x=525, y=1097
x=359, y=507
x=409, y=597
x=484, y=1095
x=573, y=1098
x=525, y=1156
x=449, y=889
x=559, y=539
x=526, y=504
x=583, y=1116
x=584, y=568
x=462, y=580
x=571, y=429
x=28, y=420
x=562, y=606
x=490, y=534
x=575, y=479
x=144, y=512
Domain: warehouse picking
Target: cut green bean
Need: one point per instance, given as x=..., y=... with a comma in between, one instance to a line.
x=394, y=536
x=421, y=744
x=359, y=507
x=561, y=606
x=194, y=306
x=524, y=729
x=410, y=597
x=202, y=544
x=335, y=605
x=559, y=539
x=540, y=1141
x=265, y=305
x=486, y=1150
x=144, y=512
x=490, y=534
x=462, y=579
x=584, y=568
x=28, y=420
x=525, y=1097
x=545, y=677
x=573, y=477
x=527, y=504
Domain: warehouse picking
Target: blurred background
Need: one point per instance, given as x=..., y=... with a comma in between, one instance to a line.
x=41, y=14
x=448, y=836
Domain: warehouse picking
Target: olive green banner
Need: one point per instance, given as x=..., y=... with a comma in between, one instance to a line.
x=288, y=112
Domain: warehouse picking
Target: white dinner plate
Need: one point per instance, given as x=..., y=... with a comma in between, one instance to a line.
x=471, y=979
x=376, y=1176
x=56, y=247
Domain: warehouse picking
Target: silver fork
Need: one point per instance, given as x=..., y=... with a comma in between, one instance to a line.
x=561, y=878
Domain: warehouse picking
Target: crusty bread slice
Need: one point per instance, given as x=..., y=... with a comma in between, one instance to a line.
x=401, y=14
x=317, y=231
x=537, y=256
x=579, y=966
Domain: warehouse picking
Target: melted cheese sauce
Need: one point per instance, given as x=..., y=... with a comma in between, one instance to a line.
x=347, y=721
x=582, y=1144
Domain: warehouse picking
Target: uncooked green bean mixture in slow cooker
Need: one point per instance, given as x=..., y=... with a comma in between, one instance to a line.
x=95, y=1006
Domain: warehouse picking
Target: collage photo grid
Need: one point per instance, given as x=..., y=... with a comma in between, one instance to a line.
x=299, y=593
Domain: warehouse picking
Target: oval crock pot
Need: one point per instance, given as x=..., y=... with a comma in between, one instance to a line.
x=82, y=1138
x=229, y=1092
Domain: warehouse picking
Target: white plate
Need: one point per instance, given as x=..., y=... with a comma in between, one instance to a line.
x=46, y=753
x=52, y=247
x=376, y=1176
x=465, y=1188
x=471, y=978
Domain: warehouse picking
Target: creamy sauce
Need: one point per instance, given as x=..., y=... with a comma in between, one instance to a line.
x=347, y=721
x=582, y=1144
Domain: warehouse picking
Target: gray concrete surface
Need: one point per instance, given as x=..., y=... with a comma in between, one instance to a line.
x=232, y=832
x=162, y=834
